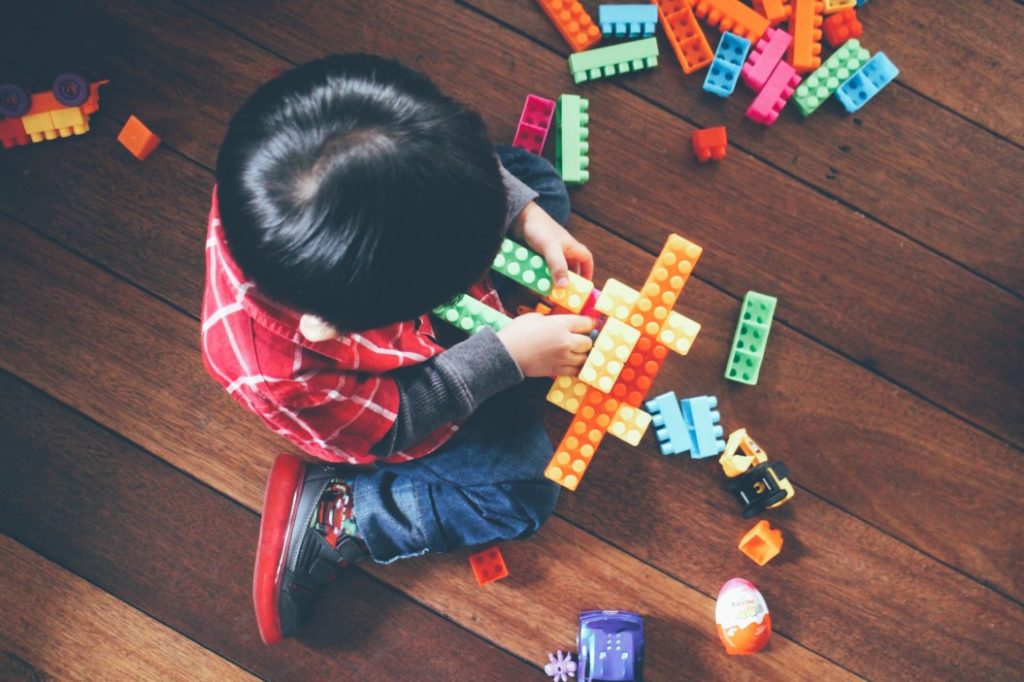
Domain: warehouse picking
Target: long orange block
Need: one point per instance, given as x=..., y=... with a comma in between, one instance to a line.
x=775, y=11
x=732, y=15
x=684, y=34
x=805, y=26
x=573, y=22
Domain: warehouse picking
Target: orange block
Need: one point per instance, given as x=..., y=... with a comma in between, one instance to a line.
x=684, y=34
x=732, y=15
x=138, y=139
x=488, y=566
x=663, y=285
x=574, y=453
x=775, y=11
x=762, y=543
x=805, y=27
x=573, y=22
x=709, y=143
x=841, y=27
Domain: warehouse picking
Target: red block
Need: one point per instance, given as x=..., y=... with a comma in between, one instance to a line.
x=709, y=143
x=488, y=566
x=842, y=26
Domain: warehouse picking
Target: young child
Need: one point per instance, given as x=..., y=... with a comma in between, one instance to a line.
x=352, y=198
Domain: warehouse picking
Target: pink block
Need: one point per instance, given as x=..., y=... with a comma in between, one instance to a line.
x=773, y=96
x=764, y=57
x=534, y=123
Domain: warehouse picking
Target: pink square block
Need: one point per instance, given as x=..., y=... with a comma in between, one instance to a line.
x=534, y=123
x=773, y=96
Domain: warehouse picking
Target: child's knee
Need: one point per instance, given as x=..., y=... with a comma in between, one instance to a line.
x=531, y=503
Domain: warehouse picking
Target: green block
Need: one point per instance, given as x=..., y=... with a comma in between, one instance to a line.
x=751, y=336
x=827, y=78
x=470, y=315
x=571, y=133
x=527, y=267
x=608, y=61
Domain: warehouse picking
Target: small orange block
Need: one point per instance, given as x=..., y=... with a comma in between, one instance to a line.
x=841, y=27
x=709, y=143
x=488, y=565
x=761, y=543
x=775, y=11
x=684, y=34
x=805, y=27
x=138, y=139
x=573, y=22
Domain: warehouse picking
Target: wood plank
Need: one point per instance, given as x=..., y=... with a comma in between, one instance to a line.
x=183, y=553
x=65, y=627
x=904, y=146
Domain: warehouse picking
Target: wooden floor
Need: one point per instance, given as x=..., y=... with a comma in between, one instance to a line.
x=892, y=387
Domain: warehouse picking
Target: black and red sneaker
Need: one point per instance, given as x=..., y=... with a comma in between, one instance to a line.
x=297, y=553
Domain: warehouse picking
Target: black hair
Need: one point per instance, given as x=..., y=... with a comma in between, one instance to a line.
x=353, y=189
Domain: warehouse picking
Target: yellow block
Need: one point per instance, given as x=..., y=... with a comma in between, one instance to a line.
x=609, y=355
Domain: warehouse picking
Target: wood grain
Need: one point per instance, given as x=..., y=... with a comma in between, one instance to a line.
x=63, y=626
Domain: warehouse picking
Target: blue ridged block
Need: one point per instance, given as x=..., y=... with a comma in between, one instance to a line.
x=702, y=419
x=725, y=68
x=866, y=82
x=669, y=427
x=627, y=21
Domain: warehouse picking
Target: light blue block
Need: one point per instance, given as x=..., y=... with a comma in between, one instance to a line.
x=725, y=68
x=627, y=21
x=866, y=82
x=669, y=427
x=861, y=2
x=702, y=421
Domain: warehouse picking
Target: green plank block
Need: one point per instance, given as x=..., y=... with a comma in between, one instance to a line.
x=470, y=315
x=614, y=59
x=524, y=266
x=827, y=78
x=750, y=338
x=571, y=133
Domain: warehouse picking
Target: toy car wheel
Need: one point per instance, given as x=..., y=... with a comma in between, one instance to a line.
x=14, y=100
x=70, y=89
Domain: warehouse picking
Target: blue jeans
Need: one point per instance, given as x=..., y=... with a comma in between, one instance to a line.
x=487, y=482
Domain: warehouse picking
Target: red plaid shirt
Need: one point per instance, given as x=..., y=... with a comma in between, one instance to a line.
x=332, y=398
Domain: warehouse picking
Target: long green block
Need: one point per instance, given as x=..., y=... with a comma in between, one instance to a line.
x=470, y=315
x=614, y=59
x=572, y=150
x=750, y=338
x=827, y=78
x=524, y=266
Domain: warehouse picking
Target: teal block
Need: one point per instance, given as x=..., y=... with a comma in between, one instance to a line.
x=614, y=59
x=828, y=77
x=748, y=342
x=470, y=315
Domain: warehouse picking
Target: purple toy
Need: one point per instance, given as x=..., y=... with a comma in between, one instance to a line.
x=561, y=666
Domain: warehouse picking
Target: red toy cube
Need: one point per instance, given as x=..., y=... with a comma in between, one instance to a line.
x=488, y=565
x=842, y=26
x=709, y=143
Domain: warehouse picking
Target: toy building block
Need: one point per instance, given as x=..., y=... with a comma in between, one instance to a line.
x=861, y=2
x=805, y=25
x=836, y=70
x=62, y=111
x=741, y=453
x=766, y=55
x=833, y=6
x=665, y=282
x=866, y=82
x=138, y=139
x=573, y=296
x=775, y=11
x=567, y=392
x=590, y=307
x=488, y=566
x=841, y=27
x=612, y=348
x=762, y=543
x=629, y=424
x=12, y=133
x=709, y=143
x=684, y=34
x=725, y=69
x=669, y=427
x=627, y=21
x=677, y=334
x=534, y=123
x=765, y=486
x=635, y=55
x=470, y=315
x=751, y=335
x=574, y=453
x=702, y=419
x=571, y=132
x=768, y=104
x=731, y=15
x=523, y=265
x=573, y=22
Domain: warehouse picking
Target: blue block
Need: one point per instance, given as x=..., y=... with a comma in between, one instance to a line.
x=861, y=2
x=669, y=427
x=627, y=21
x=702, y=421
x=725, y=69
x=866, y=82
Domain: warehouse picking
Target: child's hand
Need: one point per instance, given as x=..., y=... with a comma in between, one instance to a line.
x=560, y=249
x=545, y=346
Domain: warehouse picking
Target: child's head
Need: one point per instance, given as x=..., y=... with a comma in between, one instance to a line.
x=352, y=189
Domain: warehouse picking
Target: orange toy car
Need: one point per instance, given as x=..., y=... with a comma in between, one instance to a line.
x=62, y=111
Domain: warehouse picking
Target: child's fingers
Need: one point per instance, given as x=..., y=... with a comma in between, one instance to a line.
x=578, y=324
x=580, y=345
x=555, y=257
x=581, y=258
x=569, y=371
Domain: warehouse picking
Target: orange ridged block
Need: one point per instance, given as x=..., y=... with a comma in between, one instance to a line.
x=684, y=34
x=732, y=15
x=663, y=285
x=805, y=27
x=775, y=11
x=573, y=455
x=573, y=22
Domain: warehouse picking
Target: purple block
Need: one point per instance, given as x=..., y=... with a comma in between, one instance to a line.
x=773, y=96
x=765, y=57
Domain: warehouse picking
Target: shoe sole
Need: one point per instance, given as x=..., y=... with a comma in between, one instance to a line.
x=280, y=505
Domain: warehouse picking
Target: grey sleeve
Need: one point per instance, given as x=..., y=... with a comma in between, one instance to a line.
x=447, y=387
x=518, y=192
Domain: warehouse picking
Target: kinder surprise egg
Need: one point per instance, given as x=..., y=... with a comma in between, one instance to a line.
x=744, y=624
